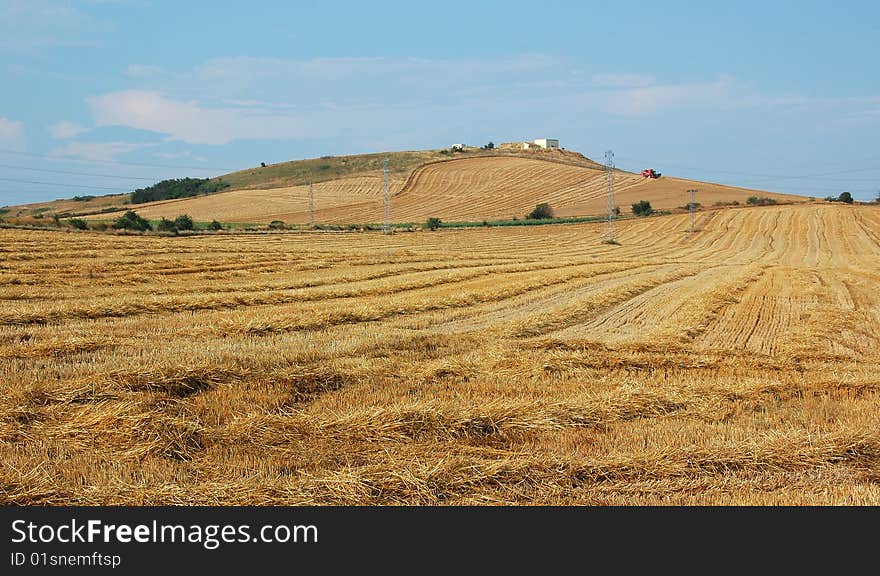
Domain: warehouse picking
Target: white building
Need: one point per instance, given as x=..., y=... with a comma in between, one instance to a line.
x=545, y=143
x=457, y=147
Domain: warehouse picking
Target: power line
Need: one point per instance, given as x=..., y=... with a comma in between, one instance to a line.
x=62, y=185
x=119, y=162
x=76, y=173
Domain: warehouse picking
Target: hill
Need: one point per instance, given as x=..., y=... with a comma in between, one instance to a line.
x=473, y=185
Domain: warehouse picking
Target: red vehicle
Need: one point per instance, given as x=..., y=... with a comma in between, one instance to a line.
x=650, y=173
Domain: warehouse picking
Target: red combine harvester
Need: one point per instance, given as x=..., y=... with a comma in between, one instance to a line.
x=650, y=173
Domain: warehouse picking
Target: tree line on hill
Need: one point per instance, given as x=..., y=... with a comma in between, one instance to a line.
x=177, y=188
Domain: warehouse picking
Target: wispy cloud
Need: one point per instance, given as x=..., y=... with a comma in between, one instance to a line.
x=316, y=98
x=370, y=98
x=654, y=98
x=100, y=151
x=11, y=134
x=31, y=25
x=65, y=130
x=623, y=80
x=187, y=154
x=143, y=71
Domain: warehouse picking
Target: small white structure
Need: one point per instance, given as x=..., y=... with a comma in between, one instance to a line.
x=545, y=143
x=457, y=147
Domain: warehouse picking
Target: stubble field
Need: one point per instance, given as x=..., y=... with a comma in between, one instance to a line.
x=471, y=189
x=533, y=365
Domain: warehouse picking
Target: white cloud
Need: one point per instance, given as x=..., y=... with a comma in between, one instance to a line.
x=65, y=130
x=11, y=134
x=195, y=123
x=100, y=151
x=152, y=111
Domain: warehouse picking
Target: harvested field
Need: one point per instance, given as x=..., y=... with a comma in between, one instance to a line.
x=521, y=365
x=477, y=188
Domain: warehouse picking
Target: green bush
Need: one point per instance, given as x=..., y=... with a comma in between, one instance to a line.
x=760, y=201
x=184, y=222
x=276, y=225
x=214, y=225
x=541, y=212
x=132, y=221
x=642, y=208
x=78, y=223
x=166, y=225
x=433, y=223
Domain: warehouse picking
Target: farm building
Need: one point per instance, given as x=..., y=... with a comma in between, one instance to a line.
x=545, y=143
x=457, y=147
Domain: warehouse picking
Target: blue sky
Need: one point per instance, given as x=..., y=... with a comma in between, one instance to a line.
x=101, y=96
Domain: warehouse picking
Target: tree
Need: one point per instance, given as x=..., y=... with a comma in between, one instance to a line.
x=184, y=222
x=541, y=212
x=132, y=221
x=642, y=208
x=214, y=225
x=845, y=197
x=433, y=223
x=616, y=210
x=276, y=225
x=490, y=146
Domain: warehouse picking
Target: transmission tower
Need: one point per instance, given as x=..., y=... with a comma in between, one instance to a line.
x=692, y=207
x=610, y=235
x=386, y=200
x=311, y=205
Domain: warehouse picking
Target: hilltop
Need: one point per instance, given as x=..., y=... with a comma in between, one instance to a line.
x=473, y=184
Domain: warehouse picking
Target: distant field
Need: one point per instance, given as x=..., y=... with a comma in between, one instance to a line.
x=462, y=189
x=535, y=365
